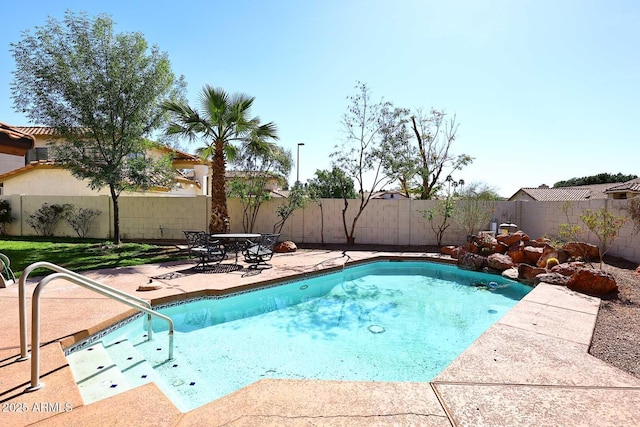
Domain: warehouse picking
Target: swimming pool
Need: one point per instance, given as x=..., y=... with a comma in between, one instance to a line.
x=379, y=321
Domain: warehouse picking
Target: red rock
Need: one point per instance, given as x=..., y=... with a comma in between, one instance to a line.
x=532, y=254
x=512, y=238
x=551, y=278
x=499, y=261
x=567, y=269
x=284, y=247
x=516, y=253
x=592, y=282
x=582, y=250
x=452, y=251
x=547, y=252
x=527, y=273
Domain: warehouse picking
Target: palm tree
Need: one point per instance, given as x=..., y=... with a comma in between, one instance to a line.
x=222, y=120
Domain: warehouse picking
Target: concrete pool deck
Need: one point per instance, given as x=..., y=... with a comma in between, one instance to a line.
x=531, y=368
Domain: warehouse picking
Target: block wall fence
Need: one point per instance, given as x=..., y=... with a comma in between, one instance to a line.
x=386, y=222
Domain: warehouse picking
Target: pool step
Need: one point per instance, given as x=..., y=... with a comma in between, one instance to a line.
x=96, y=374
x=180, y=381
x=104, y=370
x=131, y=363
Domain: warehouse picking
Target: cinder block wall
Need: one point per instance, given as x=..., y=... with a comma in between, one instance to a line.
x=388, y=222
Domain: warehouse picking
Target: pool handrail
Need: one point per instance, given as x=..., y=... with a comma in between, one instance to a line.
x=22, y=307
x=35, y=319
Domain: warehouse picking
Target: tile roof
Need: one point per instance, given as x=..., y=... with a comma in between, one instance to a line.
x=15, y=141
x=582, y=192
x=632, y=185
x=36, y=130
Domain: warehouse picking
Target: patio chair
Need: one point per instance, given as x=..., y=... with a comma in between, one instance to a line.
x=259, y=252
x=201, y=246
x=7, y=278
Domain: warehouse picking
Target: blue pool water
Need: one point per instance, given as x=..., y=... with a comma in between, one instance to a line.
x=382, y=321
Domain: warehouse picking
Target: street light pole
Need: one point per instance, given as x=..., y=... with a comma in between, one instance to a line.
x=298, y=164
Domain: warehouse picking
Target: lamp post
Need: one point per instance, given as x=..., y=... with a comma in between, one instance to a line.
x=298, y=164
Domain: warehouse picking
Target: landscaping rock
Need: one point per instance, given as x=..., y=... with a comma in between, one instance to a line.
x=592, y=282
x=532, y=254
x=500, y=262
x=551, y=278
x=582, y=250
x=527, y=273
x=471, y=261
x=512, y=238
x=511, y=273
x=516, y=253
x=569, y=268
x=452, y=251
x=551, y=252
x=284, y=247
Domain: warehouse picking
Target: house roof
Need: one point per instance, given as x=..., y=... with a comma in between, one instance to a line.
x=629, y=186
x=15, y=141
x=36, y=130
x=393, y=194
x=581, y=192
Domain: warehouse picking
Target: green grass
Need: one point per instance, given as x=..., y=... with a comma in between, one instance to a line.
x=82, y=254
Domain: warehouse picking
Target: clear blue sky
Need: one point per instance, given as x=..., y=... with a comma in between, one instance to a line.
x=543, y=90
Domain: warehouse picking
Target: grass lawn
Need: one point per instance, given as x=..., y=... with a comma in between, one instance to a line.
x=82, y=254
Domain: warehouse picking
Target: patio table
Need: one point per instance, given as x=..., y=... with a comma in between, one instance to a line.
x=235, y=241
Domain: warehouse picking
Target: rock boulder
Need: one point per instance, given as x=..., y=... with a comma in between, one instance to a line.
x=284, y=247
x=582, y=250
x=592, y=282
x=500, y=261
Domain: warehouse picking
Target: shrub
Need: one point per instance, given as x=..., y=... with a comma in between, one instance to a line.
x=605, y=225
x=5, y=216
x=45, y=219
x=81, y=219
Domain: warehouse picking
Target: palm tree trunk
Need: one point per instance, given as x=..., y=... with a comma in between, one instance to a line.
x=219, y=222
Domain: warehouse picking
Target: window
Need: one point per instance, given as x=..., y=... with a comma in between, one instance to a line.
x=36, y=154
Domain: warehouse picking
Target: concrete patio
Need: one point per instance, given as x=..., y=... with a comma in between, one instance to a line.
x=531, y=368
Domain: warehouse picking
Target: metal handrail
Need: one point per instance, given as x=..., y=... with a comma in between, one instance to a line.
x=22, y=307
x=35, y=319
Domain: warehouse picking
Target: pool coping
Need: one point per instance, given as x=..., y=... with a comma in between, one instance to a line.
x=554, y=373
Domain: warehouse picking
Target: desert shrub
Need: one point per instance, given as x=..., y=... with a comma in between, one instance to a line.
x=80, y=220
x=5, y=216
x=605, y=225
x=45, y=219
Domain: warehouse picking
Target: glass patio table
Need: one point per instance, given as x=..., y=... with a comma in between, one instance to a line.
x=235, y=242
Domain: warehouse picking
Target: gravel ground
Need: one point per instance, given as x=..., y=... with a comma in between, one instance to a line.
x=616, y=338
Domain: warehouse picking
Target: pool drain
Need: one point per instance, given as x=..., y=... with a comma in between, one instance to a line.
x=376, y=329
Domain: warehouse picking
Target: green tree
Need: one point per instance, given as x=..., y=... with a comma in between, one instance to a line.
x=440, y=215
x=297, y=199
x=223, y=120
x=400, y=155
x=362, y=153
x=333, y=184
x=100, y=92
x=601, y=178
x=256, y=167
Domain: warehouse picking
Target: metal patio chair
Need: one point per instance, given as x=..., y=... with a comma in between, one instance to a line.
x=201, y=246
x=260, y=252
